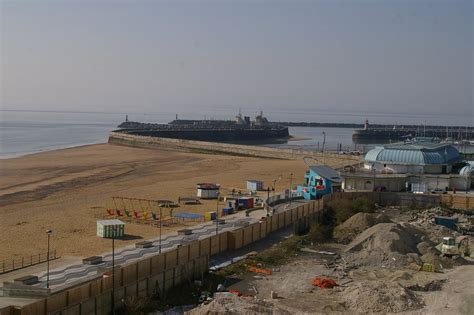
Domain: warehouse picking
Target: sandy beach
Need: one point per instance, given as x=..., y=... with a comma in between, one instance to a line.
x=67, y=191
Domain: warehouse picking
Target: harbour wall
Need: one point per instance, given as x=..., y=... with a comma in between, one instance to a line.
x=118, y=138
x=374, y=134
x=229, y=135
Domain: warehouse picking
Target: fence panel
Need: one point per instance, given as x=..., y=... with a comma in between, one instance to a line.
x=9, y=265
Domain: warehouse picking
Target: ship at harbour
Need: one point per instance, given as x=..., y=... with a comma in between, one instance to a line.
x=240, y=130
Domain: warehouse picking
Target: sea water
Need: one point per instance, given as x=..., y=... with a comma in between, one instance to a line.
x=27, y=132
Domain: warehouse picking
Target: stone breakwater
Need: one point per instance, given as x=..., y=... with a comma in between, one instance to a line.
x=124, y=139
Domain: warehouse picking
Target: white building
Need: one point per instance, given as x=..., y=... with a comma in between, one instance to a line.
x=424, y=162
x=208, y=191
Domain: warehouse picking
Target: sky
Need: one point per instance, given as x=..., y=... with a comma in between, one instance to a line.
x=389, y=57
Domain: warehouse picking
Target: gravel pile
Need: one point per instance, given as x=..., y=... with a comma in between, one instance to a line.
x=384, y=245
x=359, y=222
x=234, y=305
x=380, y=297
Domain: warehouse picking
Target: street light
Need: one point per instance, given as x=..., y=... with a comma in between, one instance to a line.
x=161, y=217
x=49, y=232
x=114, y=233
x=291, y=184
x=274, y=183
x=217, y=214
x=373, y=168
x=324, y=142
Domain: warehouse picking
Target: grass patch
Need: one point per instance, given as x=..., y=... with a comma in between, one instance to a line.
x=276, y=255
x=187, y=293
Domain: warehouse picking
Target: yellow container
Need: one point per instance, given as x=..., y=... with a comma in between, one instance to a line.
x=208, y=216
x=428, y=267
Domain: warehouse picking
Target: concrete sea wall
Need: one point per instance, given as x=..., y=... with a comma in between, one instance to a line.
x=118, y=138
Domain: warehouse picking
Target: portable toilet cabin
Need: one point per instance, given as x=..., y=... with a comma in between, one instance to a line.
x=208, y=191
x=245, y=202
x=110, y=228
x=254, y=185
x=320, y=180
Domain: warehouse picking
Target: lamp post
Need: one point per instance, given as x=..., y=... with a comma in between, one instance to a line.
x=274, y=183
x=373, y=169
x=161, y=217
x=291, y=184
x=49, y=232
x=324, y=142
x=114, y=233
x=217, y=214
x=468, y=173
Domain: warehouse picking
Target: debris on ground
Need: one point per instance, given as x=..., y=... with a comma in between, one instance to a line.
x=385, y=262
x=323, y=252
x=260, y=270
x=236, y=292
x=434, y=285
x=324, y=283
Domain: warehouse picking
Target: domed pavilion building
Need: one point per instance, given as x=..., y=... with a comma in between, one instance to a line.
x=419, y=165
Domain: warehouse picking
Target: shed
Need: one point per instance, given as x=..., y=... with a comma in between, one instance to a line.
x=254, y=185
x=319, y=181
x=208, y=190
x=105, y=228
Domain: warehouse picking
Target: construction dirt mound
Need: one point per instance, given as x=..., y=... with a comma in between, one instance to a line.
x=384, y=245
x=232, y=304
x=380, y=297
x=359, y=222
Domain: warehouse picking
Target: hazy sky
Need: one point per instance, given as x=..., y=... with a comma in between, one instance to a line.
x=151, y=56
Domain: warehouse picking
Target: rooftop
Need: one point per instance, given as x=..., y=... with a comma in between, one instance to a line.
x=326, y=172
x=416, y=152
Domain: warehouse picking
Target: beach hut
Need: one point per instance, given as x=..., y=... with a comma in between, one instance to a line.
x=208, y=191
x=320, y=180
x=254, y=185
x=105, y=228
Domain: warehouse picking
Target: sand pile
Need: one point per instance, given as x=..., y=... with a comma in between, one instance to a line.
x=232, y=304
x=380, y=296
x=359, y=222
x=384, y=245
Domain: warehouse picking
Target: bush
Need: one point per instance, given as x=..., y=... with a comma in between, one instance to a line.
x=320, y=232
x=363, y=204
x=343, y=209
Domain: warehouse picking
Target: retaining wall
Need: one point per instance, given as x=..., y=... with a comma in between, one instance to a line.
x=410, y=200
x=118, y=138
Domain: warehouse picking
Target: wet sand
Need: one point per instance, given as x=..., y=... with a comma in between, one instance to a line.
x=67, y=191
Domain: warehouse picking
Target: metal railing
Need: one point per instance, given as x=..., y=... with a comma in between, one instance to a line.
x=9, y=265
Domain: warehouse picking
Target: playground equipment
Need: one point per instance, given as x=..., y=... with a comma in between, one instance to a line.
x=148, y=211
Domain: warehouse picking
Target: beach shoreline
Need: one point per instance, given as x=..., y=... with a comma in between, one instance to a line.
x=68, y=190
x=8, y=156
